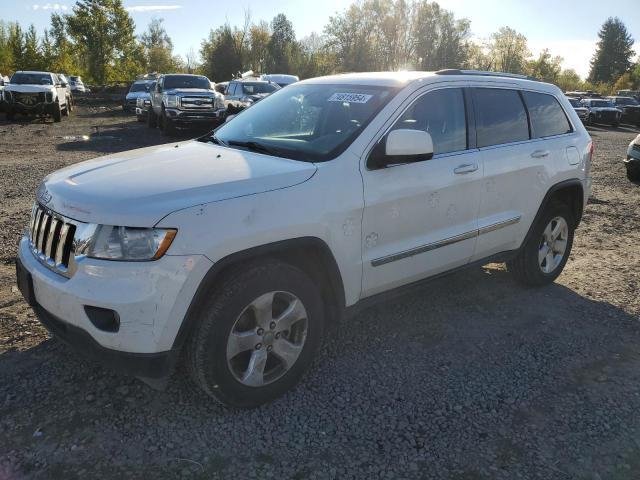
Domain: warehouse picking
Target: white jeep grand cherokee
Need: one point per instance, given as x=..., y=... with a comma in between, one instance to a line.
x=237, y=249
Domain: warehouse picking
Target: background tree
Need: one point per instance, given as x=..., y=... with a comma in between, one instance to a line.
x=158, y=47
x=569, y=80
x=508, y=51
x=104, y=32
x=218, y=52
x=6, y=53
x=282, y=44
x=62, y=58
x=613, y=53
x=16, y=47
x=545, y=67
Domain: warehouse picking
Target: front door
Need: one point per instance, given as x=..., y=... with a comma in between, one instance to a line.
x=420, y=218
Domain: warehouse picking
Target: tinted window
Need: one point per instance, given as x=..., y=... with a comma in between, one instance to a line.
x=139, y=87
x=546, y=114
x=500, y=117
x=186, y=81
x=231, y=89
x=253, y=88
x=442, y=114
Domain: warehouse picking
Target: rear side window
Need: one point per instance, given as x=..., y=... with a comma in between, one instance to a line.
x=442, y=114
x=500, y=117
x=546, y=114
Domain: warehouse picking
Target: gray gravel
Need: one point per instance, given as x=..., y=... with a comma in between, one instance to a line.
x=472, y=377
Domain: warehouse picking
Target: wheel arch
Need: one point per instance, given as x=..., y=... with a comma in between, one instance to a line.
x=569, y=192
x=310, y=254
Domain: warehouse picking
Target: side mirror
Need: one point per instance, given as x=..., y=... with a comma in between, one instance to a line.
x=64, y=84
x=402, y=146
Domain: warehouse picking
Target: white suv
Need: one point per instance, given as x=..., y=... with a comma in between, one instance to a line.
x=236, y=250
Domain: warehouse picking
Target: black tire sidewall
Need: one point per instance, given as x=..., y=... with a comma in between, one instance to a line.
x=531, y=249
x=218, y=315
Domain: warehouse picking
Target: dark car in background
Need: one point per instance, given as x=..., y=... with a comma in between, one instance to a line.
x=630, y=108
x=143, y=103
x=632, y=162
x=602, y=111
x=138, y=89
x=581, y=111
x=244, y=92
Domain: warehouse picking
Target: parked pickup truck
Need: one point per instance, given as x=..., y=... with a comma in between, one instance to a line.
x=37, y=93
x=180, y=101
x=236, y=251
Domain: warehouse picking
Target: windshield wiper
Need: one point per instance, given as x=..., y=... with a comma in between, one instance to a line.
x=254, y=147
x=213, y=139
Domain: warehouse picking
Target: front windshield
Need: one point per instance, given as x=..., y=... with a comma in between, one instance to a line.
x=186, y=81
x=601, y=103
x=138, y=87
x=312, y=122
x=575, y=102
x=75, y=79
x=258, y=87
x=626, y=101
x=31, y=79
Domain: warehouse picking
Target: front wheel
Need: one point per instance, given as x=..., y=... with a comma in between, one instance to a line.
x=633, y=173
x=57, y=112
x=152, y=119
x=545, y=253
x=168, y=126
x=256, y=334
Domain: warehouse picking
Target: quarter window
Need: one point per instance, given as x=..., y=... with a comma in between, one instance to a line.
x=546, y=114
x=500, y=117
x=441, y=113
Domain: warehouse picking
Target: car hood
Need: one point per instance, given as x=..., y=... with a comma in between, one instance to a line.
x=187, y=91
x=132, y=95
x=604, y=109
x=140, y=187
x=14, y=87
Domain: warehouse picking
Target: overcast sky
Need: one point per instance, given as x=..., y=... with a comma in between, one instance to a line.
x=567, y=27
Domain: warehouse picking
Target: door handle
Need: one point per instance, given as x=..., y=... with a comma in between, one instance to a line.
x=466, y=168
x=540, y=154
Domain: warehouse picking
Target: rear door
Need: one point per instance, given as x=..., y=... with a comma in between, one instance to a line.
x=420, y=218
x=525, y=139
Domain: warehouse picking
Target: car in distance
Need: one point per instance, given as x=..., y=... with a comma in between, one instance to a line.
x=630, y=108
x=581, y=111
x=37, y=93
x=77, y=85
x=63, y=79
x=138, y=89
x=235, y=251
x=601, y=111
x=280, y=78
x=244, y=92
x=182, y=100
x=143, y=103
x=629, y=93
x=632, y=162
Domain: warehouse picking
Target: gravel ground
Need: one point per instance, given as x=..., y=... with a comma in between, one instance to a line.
x=472, y=377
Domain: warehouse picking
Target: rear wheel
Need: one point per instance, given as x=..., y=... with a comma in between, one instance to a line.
x=257, y=334
x=69, y=104
x=545, y=253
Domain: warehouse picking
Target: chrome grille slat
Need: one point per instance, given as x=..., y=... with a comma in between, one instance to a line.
x=51, y=239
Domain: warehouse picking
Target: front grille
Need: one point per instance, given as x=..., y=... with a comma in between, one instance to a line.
x=607, y=116
x=197, y=103
x=28, y=99
x=132, y=102
x=51, y=239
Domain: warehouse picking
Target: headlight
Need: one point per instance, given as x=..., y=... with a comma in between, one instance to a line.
x=147, y=103
x=170, y=100
x=127, y=243
x=219, y=103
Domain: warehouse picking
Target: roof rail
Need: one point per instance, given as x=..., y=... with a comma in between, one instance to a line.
x=455, y=71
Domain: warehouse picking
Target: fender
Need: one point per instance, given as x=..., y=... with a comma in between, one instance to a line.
x=294, y=247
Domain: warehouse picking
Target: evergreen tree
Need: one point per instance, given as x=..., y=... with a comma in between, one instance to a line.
x=613, y=53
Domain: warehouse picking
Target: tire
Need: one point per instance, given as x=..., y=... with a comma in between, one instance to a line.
x=527, y=267
x=633, y=173
x=590, y=120
x=69, y=105
x=57, y=112
x=168, y=126
x=152, y=119
x=65, y=111
x=224, y=375
x=140, y=118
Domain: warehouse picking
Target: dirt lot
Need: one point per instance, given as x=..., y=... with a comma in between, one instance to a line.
x=472, y=377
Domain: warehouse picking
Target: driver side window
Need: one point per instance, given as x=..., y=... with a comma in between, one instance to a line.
x=442, y=114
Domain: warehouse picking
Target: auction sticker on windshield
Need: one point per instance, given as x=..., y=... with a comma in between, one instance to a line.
x=350, y=97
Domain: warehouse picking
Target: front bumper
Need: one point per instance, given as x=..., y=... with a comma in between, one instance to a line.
x=196, y=116
x=36, y=109
x=150, y=298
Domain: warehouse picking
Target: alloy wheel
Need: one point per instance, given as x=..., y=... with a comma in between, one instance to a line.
x=553, y=244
